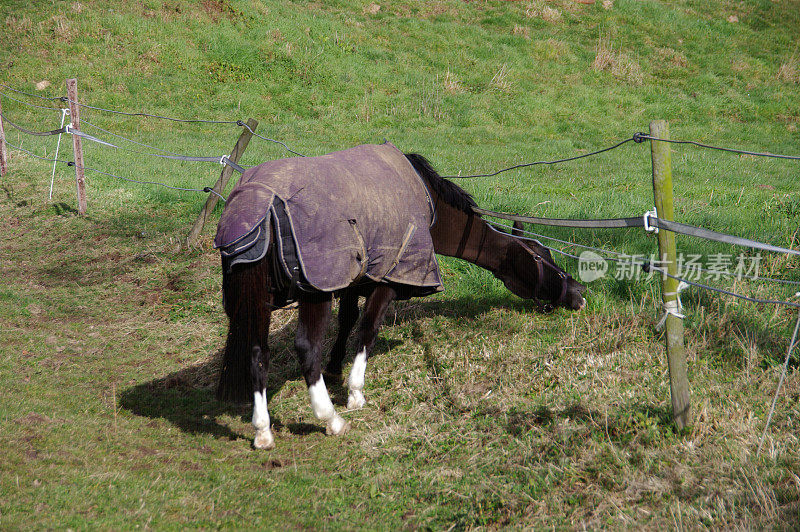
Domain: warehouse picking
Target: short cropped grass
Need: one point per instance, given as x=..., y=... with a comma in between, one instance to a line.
x=482, y=412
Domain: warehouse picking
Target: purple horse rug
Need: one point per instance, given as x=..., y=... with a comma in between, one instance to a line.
x=335, y=219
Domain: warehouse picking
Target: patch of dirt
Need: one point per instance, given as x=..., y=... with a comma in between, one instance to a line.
x=34, y=418
x=219, y=9
x=273, y=464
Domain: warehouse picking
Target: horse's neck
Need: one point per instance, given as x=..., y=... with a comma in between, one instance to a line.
x=458, y=234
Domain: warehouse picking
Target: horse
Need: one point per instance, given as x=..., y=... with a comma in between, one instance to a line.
x=253, y=289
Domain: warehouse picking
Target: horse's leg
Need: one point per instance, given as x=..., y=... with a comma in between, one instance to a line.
x=243, y=375
x=259, y=362
x=348, y=315
x=258, y=375
x=313, y=318
x=374, y=312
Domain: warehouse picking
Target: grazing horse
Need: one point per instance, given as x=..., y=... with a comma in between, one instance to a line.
x=279, y=254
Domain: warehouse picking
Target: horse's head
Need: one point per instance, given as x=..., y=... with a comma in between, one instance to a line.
x=530, y=272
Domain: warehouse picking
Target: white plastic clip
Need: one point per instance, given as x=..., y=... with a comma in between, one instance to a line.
x=223, y=159
x=64, y=113
x=673, y=306
x=646, y=219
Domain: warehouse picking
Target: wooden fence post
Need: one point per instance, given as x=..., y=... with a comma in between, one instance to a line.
x=75, y=123
x=219, y=187
x=3, y=151
x=676, y=353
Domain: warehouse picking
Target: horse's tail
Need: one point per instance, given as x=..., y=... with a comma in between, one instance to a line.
x=248, y=304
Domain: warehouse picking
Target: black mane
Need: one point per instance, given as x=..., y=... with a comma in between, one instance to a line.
x=450, y=193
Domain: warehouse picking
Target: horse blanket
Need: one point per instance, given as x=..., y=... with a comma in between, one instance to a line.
x=358, y=213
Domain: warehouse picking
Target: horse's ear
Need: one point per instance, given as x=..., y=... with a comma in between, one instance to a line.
x=538, y=248
x=517, y=229
x=546, y=253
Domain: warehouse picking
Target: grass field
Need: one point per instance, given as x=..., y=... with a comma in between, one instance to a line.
x=481, y=412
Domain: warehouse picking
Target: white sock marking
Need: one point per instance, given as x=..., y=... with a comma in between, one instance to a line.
x=355, y=382
x=323, y=408
x=263, y=439
x=356, y=379
x=321, y=401
x=260, y=413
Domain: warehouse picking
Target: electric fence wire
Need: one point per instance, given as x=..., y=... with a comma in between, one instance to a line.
x=4, y=95
x=141, y=182
x=64, y=99
x=204, y=189
x=149, y=115
x=565, y=242
x=792, y=344
x=269, y=139
x=37, y=156
x=698, y=269
x=68, y=129
x=750, y=277
x=51, y=99
x=84, y=121
x=30, y=132
x=647, y=266
x=720, y=148
x=176, y=156
x=635, y=138
x=95, y=139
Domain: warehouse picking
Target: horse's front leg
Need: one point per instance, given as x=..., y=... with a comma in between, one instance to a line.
x=374, y=312
x=313, y=318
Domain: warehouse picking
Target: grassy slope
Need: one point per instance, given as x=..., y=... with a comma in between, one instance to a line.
x=480, y=412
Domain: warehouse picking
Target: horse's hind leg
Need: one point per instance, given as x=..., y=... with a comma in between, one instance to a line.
x=374, y=312
x=348, y=315
x=313, y=318
x=243, y=374
x=261, y=422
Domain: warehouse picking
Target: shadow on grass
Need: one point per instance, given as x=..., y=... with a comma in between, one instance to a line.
x=62, y=209
x=186, y=398
x=621, y=425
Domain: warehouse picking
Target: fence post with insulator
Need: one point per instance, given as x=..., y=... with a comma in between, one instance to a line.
x=75, y=124
x=219, y=187
x=676, y=351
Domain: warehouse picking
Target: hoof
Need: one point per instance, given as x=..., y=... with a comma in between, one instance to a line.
x=355, y=400
x=264, y=440
x=337, y=426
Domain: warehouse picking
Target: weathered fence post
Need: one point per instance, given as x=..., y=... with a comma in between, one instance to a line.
x=75, y=123
x=3, y=151
x=676, y=353
x=227, y=171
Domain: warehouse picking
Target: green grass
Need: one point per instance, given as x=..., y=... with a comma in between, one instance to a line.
x=481, y=412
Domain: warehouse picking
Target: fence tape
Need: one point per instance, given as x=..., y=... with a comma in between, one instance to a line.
x=647, y=221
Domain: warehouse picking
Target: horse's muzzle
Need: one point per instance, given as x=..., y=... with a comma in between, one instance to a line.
x=573, y=297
